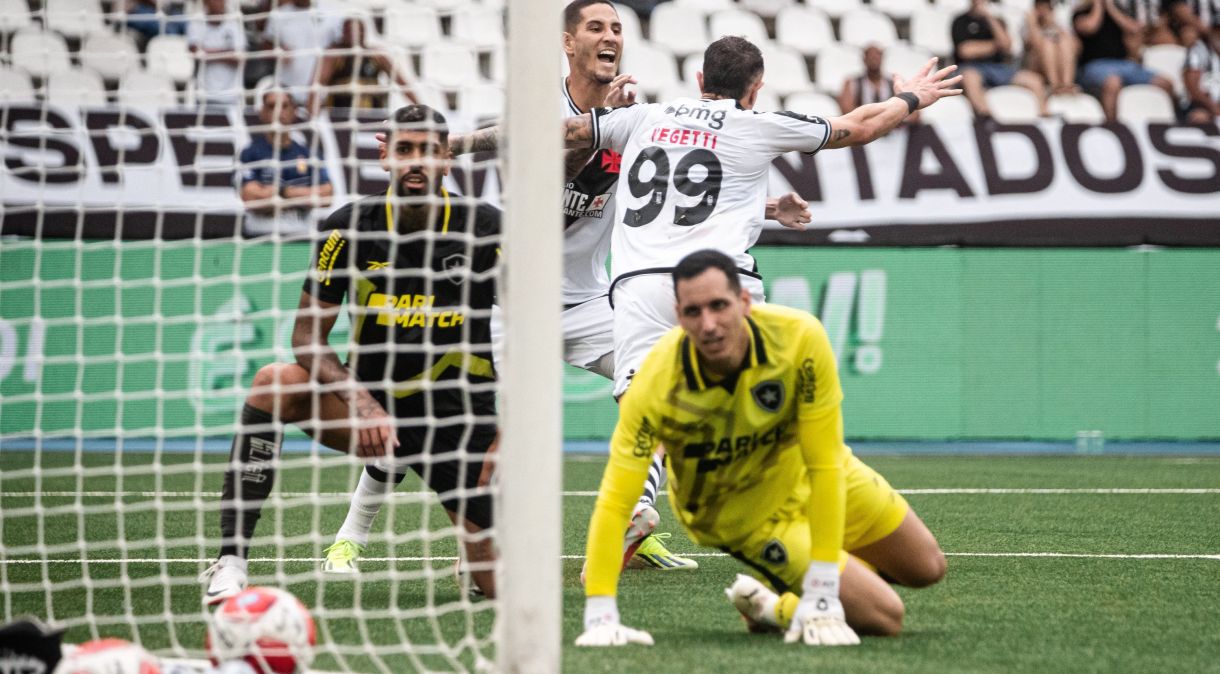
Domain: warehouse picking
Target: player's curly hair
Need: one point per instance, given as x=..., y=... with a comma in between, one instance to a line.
x=702, y=260
x=571, y=13
x=730, y=66
x=418, y=117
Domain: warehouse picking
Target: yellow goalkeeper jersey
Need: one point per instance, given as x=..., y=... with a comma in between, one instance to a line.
x=737, y=449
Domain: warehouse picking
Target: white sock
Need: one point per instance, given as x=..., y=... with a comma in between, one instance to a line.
x=366, y=503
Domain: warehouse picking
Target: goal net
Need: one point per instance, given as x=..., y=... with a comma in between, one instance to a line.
x=167, y=182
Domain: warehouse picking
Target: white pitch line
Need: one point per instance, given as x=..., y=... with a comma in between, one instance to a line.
x=315, y=560
x=941, y=491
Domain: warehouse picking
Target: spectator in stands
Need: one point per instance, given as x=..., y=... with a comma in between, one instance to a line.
x=280, y=180
x=148, y=18
x=300, y=33
x=1189, y=19
x=871, y=87
x=1201, y=78
x=347, y=75
x=1153, y=17
x=1050, y=48
x=1105, y=62
x=982, y=48
x=218, y=41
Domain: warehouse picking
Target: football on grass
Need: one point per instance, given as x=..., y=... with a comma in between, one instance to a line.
x=268, y=628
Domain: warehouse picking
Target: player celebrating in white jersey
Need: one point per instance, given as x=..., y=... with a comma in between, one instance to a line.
x=696, y=177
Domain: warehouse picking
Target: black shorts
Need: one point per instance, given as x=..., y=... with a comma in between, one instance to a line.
x=448, y=455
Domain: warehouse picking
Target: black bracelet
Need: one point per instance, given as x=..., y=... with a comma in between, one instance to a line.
x=910, y=99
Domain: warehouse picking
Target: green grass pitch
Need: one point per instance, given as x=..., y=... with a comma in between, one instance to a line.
x=1132, y=583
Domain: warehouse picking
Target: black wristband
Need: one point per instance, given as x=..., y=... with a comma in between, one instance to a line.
x=910, y=99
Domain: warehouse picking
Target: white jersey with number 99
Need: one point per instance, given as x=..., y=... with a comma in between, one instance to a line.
x=694, y=176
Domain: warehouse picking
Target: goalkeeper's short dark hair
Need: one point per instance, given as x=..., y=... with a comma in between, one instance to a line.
x=730, y=66
x=419, y=117
x=702, y=260
x=571, y=13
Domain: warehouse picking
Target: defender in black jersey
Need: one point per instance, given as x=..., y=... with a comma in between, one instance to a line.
x=417, y=268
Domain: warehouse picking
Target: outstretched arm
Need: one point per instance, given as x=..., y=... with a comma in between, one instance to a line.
x=870, y=122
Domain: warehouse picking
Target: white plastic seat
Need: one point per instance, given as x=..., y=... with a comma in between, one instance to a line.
x=170, y=54
x=449, y=66
x=111, y=55
x=785, y=72
x=767, y=101
x=482, y=101
x=74, y=18
x=813, y=103
x=655, y=68
x=1143, y=103
x=895, y=9
x=862, y=27
x=39, y=52
x=1011, y=104
x=682, y=30
x=145, y=89
x=480, y=28
x=948, y=111
x=903, y=59
x=805, y=29
x=837, y=8
x=15, y=86
x=75, y=86
x=678, y=90
x=705, y=6
x=930, y=29
x=1076, y=108
x=412, y=26
x=954, y=7
x=836, y=63
x=14, y=15
x=766, y=8
x=632, y=32
x=1166, y=60
x=690, y=66
x=446, y=6
x=740, y=23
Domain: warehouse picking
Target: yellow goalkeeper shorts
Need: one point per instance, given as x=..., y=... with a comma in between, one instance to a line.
x=778, y=552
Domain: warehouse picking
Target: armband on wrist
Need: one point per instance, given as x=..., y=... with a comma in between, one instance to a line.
x=910, y=99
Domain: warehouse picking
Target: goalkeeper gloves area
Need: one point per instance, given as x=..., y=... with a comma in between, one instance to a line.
x=819, y=619
x=602, y=627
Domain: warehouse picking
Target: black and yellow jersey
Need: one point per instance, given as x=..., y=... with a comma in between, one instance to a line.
x=420, y=302
x=737, y=449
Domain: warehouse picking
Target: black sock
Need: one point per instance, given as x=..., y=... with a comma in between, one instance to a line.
x=381, y=476
x=249, y=478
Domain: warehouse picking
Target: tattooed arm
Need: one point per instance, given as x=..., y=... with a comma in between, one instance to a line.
x=483, y=140
x=870, y=122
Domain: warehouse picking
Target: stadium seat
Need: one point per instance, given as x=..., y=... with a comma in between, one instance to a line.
x=39, y=52
x=14, y=15
x=767, y=101
x=1076, y=108
x=954, y=7
x=74, y=18
x=110, y=54
x=813, y=103
x=445, y=6
x=15, y=86
x=690, y=66
x=862, y=27
x=705, y=6
x=412, y=26
x=478, y=27
x=837, y=8
x=952, y=110
x=904, y=59
x=930, y=30
x=765, y=8
x=170, y=54
x=482, y=101
x=834, y=64
x=654, y=68
x=632, y=32
x=785, y=70
x=75, y=86
x=738, y=22
x=1019, y=5
x=1166, y=60
x=449, y=65
x=681, y=30
x=145, y=89
x=1143, y=103
x=1011, y=104
x=679, y=90
x=804, y=29
x=895, y=9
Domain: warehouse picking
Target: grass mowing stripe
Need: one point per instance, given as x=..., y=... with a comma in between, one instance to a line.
x=942, y=491
x=442, y=558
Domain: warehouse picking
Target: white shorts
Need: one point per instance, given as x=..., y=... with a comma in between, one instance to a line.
x=588, y=340
x=644, y=311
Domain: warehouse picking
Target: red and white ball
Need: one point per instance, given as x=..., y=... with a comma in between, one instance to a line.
x=268, y=628
x=109, y=656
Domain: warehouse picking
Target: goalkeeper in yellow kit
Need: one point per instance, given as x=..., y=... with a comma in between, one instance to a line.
x=746, y=401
